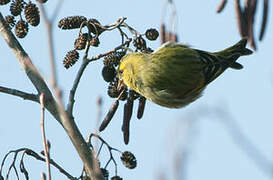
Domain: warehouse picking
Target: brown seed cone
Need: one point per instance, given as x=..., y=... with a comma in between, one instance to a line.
x=108, y=73
x=113, y=59
x=116, y=178
x=128, y=159
x=4, y=2
x=71, y=58
x=112, y=90
x=10, y=20
x=151, y=34
x=32, y=14
x=80, y=42
x=104, y=172
x=95, y=42
x=21, y=28
x=139, y=43
x=16, y=7
x=71, y=22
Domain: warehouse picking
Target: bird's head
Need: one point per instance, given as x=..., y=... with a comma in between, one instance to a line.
x=128, y=69
x=122, y=71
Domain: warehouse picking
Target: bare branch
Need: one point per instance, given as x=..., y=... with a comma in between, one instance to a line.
x=80, y=72
x=28, y=67
x=97, y=57
x=50, y=103
x=56, y=10
x=52, y=61
x=46, y=147
x=24, y=95
x=36, y=156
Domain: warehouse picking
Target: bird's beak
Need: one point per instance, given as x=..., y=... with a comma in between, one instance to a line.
x=120, y=85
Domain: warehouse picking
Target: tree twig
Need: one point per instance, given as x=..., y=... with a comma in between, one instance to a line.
x=49, y=24
x=28, y=67
x=46, y=147
x=24, y=95
x=36, y=156
x=86, y=61
x=84, y=64
x=55, y=109
x=56, y=10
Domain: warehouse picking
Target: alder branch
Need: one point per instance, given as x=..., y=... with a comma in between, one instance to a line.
x=49, y=24
x=86, y=61
x=84, y=64
x=45, y=142
x=50, y=103
x=30, y=70
x=36, y=156
x=24, y=95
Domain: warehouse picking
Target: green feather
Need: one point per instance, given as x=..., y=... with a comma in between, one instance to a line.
x=175, y=74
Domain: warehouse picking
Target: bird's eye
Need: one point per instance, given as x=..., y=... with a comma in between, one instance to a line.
x=120, y=71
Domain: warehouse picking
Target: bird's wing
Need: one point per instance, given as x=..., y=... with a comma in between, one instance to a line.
x=171, y=44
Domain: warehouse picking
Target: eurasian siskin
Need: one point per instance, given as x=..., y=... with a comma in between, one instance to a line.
x=175, y=74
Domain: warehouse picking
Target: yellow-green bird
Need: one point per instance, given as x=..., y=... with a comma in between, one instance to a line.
x=175, y=74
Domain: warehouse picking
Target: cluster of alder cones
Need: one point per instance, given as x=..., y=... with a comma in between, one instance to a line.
x=31, y=15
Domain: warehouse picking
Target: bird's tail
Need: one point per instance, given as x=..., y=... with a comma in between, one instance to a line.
x=216, y=63
x=231, y=54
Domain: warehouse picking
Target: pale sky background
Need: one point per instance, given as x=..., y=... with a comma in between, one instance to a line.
x=245, y=95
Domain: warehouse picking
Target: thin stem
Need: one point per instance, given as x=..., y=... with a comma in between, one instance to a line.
x=115, y=25
x=74, y=88
x=46, y=148
x=30, y=70
x=36, y=156
x=122, y=46
x=51, y=48
x=56, y=109
x=100, y=148
x=56, y=10
x=84, y=64
x=109, y=149
x=24, y=95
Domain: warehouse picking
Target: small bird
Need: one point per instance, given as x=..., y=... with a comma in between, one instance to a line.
x=175, y=75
